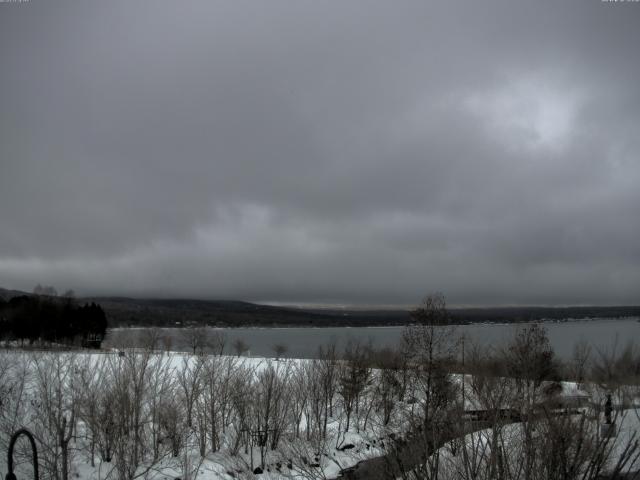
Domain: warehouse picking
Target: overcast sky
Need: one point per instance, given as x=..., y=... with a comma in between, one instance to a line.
x=354, y=152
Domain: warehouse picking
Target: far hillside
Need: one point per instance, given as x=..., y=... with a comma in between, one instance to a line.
x=135, y=312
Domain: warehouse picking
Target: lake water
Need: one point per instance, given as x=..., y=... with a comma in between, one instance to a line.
x=603, y=334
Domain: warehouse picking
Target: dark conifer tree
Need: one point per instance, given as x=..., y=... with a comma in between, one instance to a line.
x=52, y=320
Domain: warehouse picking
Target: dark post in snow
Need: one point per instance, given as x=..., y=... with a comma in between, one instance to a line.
x=608, y=428
x=607, y=410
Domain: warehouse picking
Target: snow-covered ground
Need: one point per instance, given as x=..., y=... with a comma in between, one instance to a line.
x=298, y=454
x=295, y=457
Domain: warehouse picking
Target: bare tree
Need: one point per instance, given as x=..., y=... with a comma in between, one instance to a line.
x=390, y=381
x=161, y=386
x=167, y=342
x=546, y=442
x=202, y=339
x=240, y=347
x=172, y=427
x=430, y=345
x=57, y=401
x=129, y=383
x=91, y=381
x=194, y=337
x=328, y=367
x=190, y=384
x=353, y=377
x=279, y=350
x=15, y=408
x=317, y=406
x=300, y=378
x=215, y=409
x=241, y=394
x=484, y=405
x=580, y=361
x=530, y=362
x=150, y=339
x=270, y=412
x=217, y=342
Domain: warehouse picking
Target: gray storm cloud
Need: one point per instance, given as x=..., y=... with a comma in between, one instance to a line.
x=301, y=151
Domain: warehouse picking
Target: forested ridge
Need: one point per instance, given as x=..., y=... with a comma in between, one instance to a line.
x=123, y=312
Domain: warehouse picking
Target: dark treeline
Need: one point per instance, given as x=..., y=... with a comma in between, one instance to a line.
x=49, y=319
x=137, y=312
x=123, y=312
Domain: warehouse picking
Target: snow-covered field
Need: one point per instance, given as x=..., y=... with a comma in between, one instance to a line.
x=173, y=415
x=41, y=389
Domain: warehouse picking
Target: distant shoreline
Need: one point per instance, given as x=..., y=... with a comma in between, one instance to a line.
x=179, y=313
x=322, y=327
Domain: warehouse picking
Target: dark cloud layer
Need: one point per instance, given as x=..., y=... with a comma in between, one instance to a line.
x=306, y=151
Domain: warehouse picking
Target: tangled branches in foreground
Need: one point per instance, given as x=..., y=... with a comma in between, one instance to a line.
x=425, y=411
